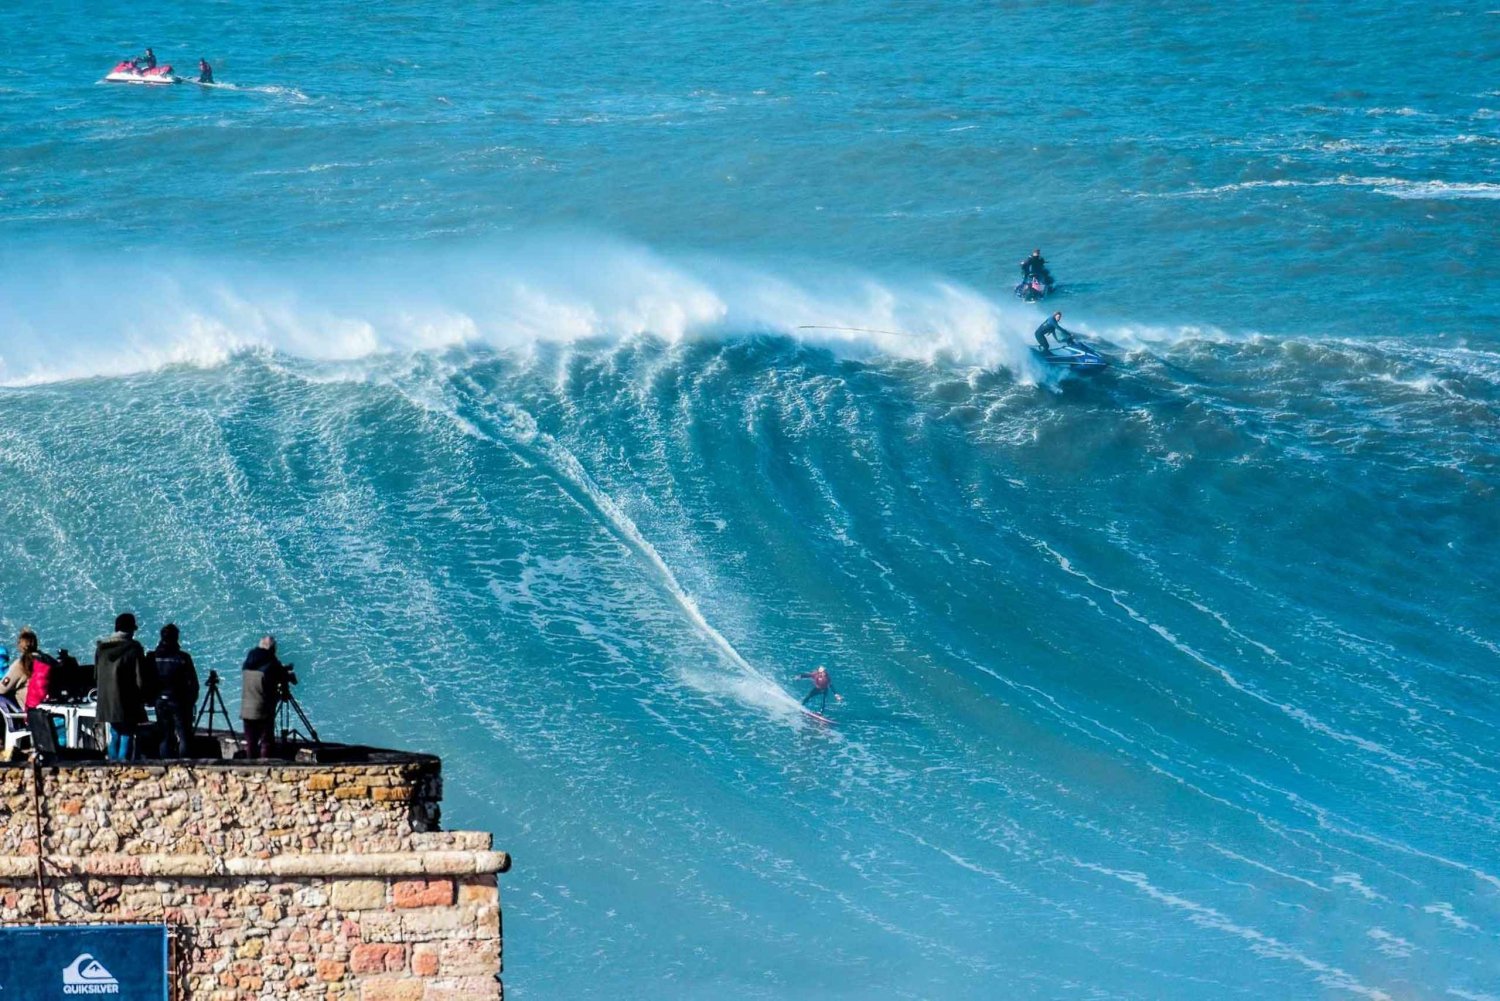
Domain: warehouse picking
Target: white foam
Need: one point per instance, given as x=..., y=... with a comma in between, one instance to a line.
x=1395, y=187
x=1444, y=910
x=68, y=317
x=1389, y=944
x=1353, y=881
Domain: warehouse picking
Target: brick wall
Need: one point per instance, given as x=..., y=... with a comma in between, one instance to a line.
x=280, y=881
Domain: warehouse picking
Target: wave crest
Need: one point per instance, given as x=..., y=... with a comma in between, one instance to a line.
x=68, y=317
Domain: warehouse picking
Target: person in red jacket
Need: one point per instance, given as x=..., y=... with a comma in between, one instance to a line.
x=39, y=665
x=822, y=687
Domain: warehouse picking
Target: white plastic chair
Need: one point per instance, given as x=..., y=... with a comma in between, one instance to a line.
x=16, y=731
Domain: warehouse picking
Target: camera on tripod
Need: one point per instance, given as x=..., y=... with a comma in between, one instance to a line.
x=289, y=712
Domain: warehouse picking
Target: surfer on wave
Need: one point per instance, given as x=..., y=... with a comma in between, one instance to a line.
x=822, y=687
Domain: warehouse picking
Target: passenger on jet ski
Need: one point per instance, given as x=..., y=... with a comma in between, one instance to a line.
x=1035, y=266
x=1051, y=326
x=205, y=71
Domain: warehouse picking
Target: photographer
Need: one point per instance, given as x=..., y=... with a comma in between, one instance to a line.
x=265, y=677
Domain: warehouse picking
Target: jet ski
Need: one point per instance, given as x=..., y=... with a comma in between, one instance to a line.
x=1033, y=288
x=1072, y=354
x=129, y=72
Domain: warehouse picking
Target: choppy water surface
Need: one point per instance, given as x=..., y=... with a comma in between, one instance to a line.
x=464, y=349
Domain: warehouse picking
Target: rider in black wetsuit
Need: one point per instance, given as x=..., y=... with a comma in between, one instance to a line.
x=205, y=71
x=148, y=61
x=1051, y=326
x=1036, y=266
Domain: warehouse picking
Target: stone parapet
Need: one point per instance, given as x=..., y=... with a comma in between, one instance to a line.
x=278, y=880
x=456, y=863
x=226, y=808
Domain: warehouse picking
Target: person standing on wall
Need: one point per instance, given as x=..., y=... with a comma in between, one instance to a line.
x=177, y=693
x=263, y=677
x=124, y=685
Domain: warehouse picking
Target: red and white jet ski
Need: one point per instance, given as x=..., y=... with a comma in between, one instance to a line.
x=129, y=72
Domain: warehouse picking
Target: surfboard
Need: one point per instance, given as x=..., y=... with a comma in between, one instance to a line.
x=820, y=719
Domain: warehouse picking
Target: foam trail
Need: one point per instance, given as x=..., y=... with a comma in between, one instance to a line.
x=756, y=687
x=566, y=464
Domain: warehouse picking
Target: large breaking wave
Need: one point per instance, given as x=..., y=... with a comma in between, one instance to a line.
x=1192, y=650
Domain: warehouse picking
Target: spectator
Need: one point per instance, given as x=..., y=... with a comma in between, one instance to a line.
x=13, y=684
x=264, y=678
x=176, y=693
x=38, y=666
x=124, y=686
x=45, y=679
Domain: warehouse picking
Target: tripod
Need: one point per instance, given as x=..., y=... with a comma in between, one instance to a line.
x=286, y=705
x=213, y=703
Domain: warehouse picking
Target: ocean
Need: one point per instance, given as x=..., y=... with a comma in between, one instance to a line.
x=560, y=380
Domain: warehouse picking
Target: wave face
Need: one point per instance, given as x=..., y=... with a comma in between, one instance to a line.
x=1193, y=653
x=561, y=380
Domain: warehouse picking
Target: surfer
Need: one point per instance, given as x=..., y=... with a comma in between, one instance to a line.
x=205, y=71
x=822, y=687
x=1051, y=326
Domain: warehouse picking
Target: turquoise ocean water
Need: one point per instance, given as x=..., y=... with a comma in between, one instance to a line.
x=460, y=345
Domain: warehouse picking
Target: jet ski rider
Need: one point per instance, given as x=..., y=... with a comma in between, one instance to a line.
x=1035, y=266
x=148, y=61
x=1051, y=326
x=205, y=71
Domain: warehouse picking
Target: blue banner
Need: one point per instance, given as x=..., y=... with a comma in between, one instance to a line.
x=64, y=962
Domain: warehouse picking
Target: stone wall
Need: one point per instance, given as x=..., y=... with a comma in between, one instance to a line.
x=278, y=880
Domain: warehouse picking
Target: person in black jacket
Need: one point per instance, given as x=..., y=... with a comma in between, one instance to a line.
x=176, y=693
x=264, y=677
x=1035, y=266
x=125, y=686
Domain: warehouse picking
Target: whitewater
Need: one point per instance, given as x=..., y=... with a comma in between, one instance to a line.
x=559, y=381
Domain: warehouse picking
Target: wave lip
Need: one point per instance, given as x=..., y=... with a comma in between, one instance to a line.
x=65, y=317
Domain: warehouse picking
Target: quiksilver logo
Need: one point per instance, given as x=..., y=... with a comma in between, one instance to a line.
x=86, y=975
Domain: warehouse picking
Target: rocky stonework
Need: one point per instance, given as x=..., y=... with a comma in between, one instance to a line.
x=277, y=880
x=225, y=808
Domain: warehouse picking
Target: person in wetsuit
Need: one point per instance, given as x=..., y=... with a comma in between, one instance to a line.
x=205, y=71
x=148, y=61
x=1035, y=266
x=1053, y=327
x=822, y=687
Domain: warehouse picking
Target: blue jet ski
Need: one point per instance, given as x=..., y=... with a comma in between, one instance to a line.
x=1072, y=354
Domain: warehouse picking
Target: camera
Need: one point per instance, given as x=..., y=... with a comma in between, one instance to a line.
x=291, y=673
